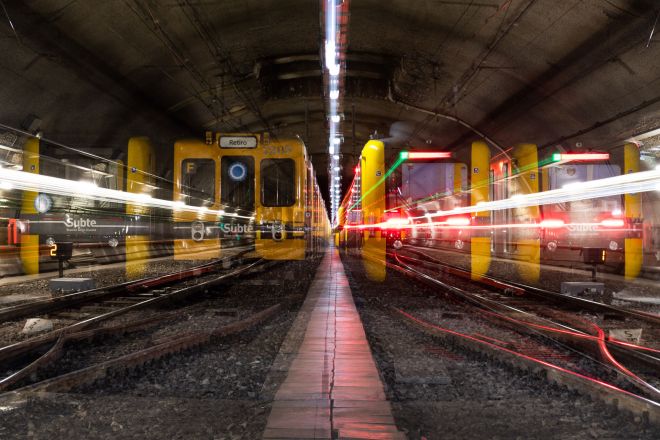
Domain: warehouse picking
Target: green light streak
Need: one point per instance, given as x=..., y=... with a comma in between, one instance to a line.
x=396, y=164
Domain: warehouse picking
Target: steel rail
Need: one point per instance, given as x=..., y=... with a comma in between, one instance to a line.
x=11, y=352
x=553, y=334
x=559, y=298
x=603, y=391
x=101, y=370
x=102, y=293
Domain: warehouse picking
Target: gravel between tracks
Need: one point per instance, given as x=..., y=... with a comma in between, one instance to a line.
x=438, y=391
x=10, y=331
x=210, y=392
x=103, y=276
x=551, y=277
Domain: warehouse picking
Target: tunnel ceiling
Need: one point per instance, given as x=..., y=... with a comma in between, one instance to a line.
x=570, y=72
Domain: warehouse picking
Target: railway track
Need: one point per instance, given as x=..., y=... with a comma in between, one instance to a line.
x=543, y=340
x=119, y=365
x=38, y=352
x=133, y=291
x=516, y=288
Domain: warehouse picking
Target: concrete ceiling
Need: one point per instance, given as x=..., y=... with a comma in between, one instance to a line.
x=544, y=71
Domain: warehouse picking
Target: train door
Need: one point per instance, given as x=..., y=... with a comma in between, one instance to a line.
x=196, y=188
x=500, y=219
x=237, y=196
x=491, y=195
x=308, y=207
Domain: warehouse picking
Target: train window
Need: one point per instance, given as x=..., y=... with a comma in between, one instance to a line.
x=237, y=182
x=278, y=177
x=198, y=181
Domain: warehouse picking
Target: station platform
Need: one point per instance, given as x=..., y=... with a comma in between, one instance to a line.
x=332, y=388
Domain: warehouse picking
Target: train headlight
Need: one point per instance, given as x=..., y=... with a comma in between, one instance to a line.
x=50, y=241
x=613, y=245
x=552, y=246
x=197, y=231
x=113, y=242
x=397, y=244
x=278, y=231
x=459, y=244
x=237, y=171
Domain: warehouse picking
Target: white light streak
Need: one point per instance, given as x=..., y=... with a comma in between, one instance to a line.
x=85, y=187
x=25, y=181
x=611, y=186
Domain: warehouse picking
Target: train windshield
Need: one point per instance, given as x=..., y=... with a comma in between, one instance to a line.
x=237, y=182
x=278, y=182
x=198, y=181
x=566, y=176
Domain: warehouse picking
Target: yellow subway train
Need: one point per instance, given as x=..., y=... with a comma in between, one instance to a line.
x=253, y=190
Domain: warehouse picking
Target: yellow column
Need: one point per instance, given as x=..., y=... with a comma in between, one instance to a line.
x=458, y=177
x=479, y=192
x=372, y=170
x=528, y=240
x=633, y=209
x=139, y=165
x=30, y=242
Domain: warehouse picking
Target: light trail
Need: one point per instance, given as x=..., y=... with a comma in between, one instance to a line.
x=21, y=180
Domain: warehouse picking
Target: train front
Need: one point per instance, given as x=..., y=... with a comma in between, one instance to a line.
x=280, y=207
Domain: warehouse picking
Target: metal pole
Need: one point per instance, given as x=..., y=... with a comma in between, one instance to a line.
x=306, y=121
x=353, y=122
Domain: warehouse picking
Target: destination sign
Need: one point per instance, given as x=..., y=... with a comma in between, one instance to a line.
x=238, y=142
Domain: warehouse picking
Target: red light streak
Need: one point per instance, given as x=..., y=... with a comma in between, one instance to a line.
x=571, y=333
x=584, y=156
x=552, y=223
x=420, y=155
x=518, y=354
x=458, y=221
x=612, y=223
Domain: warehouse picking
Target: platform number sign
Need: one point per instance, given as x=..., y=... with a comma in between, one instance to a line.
x=53, y=250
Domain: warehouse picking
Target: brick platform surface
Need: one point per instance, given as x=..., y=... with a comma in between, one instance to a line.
x=332, y=388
